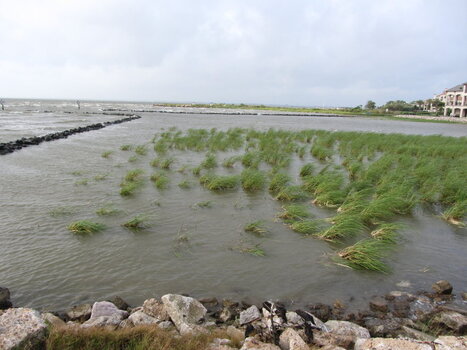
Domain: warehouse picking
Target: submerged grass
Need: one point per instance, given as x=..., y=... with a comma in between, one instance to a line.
x=252, y=180
x=136, y=223
x=306, y=227
x=220, y=183
x=294, y=212
x=365, y=255
x=85, y=227
x=256, y=227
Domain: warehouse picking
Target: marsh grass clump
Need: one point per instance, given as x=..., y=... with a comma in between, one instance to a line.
x=82, y=182
x=251, y=160
x=220, y=183
x=306, y=227
x=209, y=162
x=365, y=255
x=203, y=204
x=256, y=227
x=132, y=159
x=456, y=213
x=106, y=154
x=85, y=227
x=252, y=249
x=185, y=184
x=100, y=177
x=386, y=232
x=107, y=210
x=196, y=171
x=166, y=163
x=252, y=180
x=230, y=162
x=307, y=170
x=278, y=182
x=126, y=147
x=138, y=222
x=344, y=225
x=294, y=212
x=291, y=193
x=127, y=188
x=160, y=180
x=141, y=150
x=134, y=175
x=61, y=211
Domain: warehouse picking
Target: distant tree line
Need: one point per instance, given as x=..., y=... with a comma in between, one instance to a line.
x=403, y=106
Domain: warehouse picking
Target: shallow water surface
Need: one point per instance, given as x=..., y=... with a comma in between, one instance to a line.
x=186, y=248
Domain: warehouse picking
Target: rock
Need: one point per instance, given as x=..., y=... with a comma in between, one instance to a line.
x=156, y=309
x=185, y=312
x=451, y=320
x=383, y=327
x=451, y=343
x=464, y=296
x=126, y=323
x=5, y=301
x=379, y=304
x=249, y=315
x=291, y=340
x=442, y=287
x=120, y=303
x=390, y=344
x=22, y=328
x=341, y=333
x=141, y=318
x=255, y=344
x=235, y=333
x=104, y=313
x=165, y=325
x=79, y=313
x=229, y=311
x=331, y=347
x=408, y=332
x=421, y=308
x=293, y=319
x=53, y=320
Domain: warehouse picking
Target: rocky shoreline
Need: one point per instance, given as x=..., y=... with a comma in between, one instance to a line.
x=425, y=320
x=10, y=147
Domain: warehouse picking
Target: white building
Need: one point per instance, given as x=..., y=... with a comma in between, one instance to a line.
x=455, y=101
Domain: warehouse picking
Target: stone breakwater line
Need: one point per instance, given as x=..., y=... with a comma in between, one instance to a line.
x=423, y=321
x=12, y=146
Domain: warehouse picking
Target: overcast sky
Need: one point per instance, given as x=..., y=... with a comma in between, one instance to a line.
x=295, y=52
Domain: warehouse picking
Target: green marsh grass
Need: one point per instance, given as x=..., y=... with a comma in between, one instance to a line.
x=185, y=184
x=126, y=147
x=138, y=222
x=365, y=255
x=106, y=154
x=107, y=210
x=291, y=193
x=85, y=227
x=294, y=212
x=343, y=225
x=306, y=227
x=456, y=213
x=230, y=162
x=386, y=232
x=203, y=204
x=141, y=150
x=132, y=159
x=82, y=182
x=252, y=180
x=101, y=177
x=256, y=227
x=307, y=170
x=278, y=182
x=220, y=183
x=134, y=175
x=160, y=180
x=61, y=211
x=209, y=162
x=127, y=188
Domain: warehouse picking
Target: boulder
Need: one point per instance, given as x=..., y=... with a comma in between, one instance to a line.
x=254, y=344
x=442, y=287
x=249, y=315
x=421, y=308
x=383, y=327
x=53, y=320
x=408, y=332
x=185, y=312
x=322, y=311
x=156, y=309
x=141, y=318
x=390, y=344
x=230, y=310
x=291, y=340
x=293, y=319
x=451, y=320
x=120, y=303
x=5, y=301
x=340, y=333
x=22, y=328
x=79, y=313
x=451, y=343
x=104, y=313
x=464, y=296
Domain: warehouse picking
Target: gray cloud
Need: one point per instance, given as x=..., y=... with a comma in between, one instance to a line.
x=333, y=52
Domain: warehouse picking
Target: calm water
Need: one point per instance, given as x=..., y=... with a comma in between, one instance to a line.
x=186, y=249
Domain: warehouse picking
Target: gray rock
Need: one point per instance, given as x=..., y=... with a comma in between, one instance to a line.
x=53, y=320
x=293, y=319
x=442, y=287
x=451, y=343
x=464, y=296
x=185, y=312
x=451, y=320
x=249, y=315
x=5, y=301
x=347, y=328
x=383, y=327
x=420, y=308
x=255, y=344
x=104, y=313
x=126, y=323
x=79, y=313
x=120, y=303
x=341, y=333
x=389, y=344
x=408, y=332
x=22, y=328
x=141, y=318
x=230, y=310
x=331, y=347
x=165, y=325
x=291, y=340
x=156, y=309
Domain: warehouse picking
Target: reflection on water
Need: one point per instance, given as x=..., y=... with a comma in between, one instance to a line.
x=187, y=248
